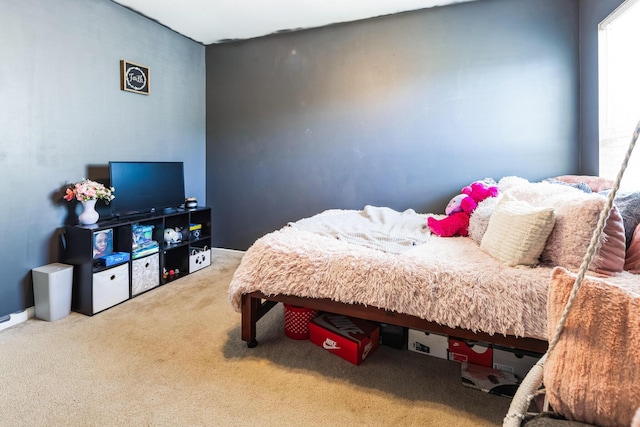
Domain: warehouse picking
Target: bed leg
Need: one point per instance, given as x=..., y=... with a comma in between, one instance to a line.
x=250, y=307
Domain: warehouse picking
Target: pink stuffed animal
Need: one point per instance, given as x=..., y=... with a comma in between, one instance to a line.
x=480, y=190
x=460, y=208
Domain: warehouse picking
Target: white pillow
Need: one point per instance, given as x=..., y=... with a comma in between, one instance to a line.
x=517, y=232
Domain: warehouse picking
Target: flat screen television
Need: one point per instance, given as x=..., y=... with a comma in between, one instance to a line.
x=145, y=187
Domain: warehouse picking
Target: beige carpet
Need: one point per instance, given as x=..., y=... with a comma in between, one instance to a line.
x=173, y=357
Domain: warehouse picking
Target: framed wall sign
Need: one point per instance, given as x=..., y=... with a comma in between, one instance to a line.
x=134, y=77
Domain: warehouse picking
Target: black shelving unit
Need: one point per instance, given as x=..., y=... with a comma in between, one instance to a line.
x=97, y=287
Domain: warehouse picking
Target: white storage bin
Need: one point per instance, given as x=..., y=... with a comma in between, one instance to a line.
x=199, y=258
x=110, y=287
x=145, y=274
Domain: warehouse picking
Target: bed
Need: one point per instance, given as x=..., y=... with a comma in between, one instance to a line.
x=383, y=265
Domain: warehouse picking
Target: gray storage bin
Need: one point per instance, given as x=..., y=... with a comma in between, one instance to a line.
x=52, y=286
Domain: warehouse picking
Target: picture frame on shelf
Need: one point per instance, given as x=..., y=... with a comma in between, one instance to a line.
x=102, y=243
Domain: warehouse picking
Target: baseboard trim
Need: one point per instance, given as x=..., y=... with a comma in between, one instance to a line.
x=225, y=251
x=18, y=317
x=30, y=312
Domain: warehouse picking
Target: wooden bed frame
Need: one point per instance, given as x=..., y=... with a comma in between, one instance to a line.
x=256, y=304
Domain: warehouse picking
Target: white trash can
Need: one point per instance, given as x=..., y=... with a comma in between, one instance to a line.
x=52, y=286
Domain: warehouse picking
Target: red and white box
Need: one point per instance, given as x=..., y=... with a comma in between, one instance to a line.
x=350, y=338
x=478, y=353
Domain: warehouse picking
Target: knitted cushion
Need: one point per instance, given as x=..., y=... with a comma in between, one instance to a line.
x=517, y=232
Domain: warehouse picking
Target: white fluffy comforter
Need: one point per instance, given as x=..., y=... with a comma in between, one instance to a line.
x=446, y=280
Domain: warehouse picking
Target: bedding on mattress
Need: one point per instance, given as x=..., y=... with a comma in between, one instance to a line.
x=389, y=261
x=374, y=227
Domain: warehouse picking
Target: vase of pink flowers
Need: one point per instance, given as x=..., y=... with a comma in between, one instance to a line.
x=88, y=192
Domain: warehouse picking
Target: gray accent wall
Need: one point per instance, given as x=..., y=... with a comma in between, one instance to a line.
x=399, y=111
x=63, y=117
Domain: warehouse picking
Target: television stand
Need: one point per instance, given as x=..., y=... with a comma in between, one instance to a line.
x=148, y=262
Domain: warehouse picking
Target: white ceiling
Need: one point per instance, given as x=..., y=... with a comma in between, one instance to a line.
x=214, y=21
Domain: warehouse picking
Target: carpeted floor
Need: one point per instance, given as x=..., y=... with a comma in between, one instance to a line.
x=173, y=357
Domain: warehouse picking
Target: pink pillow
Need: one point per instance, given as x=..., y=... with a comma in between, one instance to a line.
x=577, y=215
x=632, y=262
x=591, y=375
x=595, y=183
x=610, y=257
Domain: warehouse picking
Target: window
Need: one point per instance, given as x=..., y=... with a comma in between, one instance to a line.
x=619, y=91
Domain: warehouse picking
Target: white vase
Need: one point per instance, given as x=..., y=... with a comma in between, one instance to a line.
x=89, y=215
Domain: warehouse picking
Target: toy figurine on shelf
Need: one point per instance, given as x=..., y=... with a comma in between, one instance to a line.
x=170, y=274
x=172, y=235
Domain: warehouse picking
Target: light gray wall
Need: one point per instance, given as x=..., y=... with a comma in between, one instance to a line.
x=62, y=110
x=400, y=111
